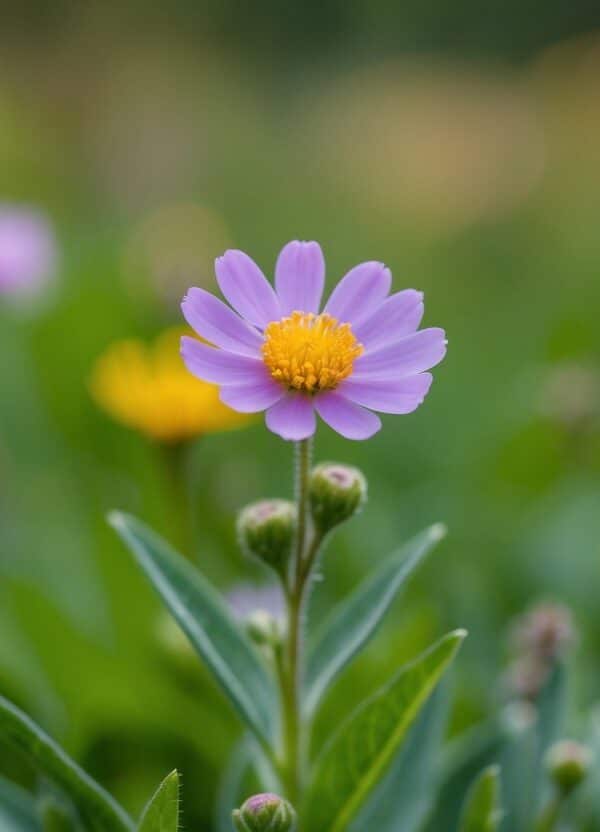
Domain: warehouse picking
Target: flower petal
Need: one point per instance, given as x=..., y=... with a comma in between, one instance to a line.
x=252, y=397
x=411, y=354
x=347, y=418
x=219, y=366
x=219, y=324
x=397, y=316
x=388, y=396
x=300, y=277
x=246, y=288
x=359, y=293
x=293, y=417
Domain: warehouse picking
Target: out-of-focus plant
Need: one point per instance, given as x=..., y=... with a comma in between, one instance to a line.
x=28, y=252
x=279, y=353
x=146, y=387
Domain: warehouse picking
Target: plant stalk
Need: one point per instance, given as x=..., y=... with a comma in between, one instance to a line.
x=296, y=591
x=550, y=815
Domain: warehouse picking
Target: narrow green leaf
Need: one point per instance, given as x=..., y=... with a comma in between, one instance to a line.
x=403, y=799
x=229, y=793
x=361, y=751
x=162, y=812
x=208, y=623
x=17, y=809
x=56, y=816
x=462, y=762
x=100, y=810
x=518, y=761
x=482, y=809
x=356, y=619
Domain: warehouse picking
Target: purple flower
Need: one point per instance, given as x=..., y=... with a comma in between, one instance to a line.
x=27, y=250
x=247, y=599
x=277, y=352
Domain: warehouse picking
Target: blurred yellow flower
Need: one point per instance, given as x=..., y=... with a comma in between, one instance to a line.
x=147, y=387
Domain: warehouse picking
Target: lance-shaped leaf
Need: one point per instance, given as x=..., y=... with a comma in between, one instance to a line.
x=482, y=809
x=360, y=753
x=99, y=809
x=460, y=765
x=356, y=619
x=402, y=800
x=205, y=618
x=162, y=812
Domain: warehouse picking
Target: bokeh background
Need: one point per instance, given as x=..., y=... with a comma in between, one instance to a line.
x=458, y=142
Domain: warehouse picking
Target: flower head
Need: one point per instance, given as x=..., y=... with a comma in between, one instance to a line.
x=146, y=387
x=277, y=351
x=265, y=813
x=27, y=250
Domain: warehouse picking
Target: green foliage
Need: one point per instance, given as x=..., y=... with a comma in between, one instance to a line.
x=482, y=810
x=56, y=816
x=403, y=799
x=162, y=812
x=17, y=809
x=362, y=749
x=99, y=809
x=208, y=623
x=354, y=621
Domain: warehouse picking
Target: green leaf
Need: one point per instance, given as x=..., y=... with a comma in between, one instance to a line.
x=205, y=618
x=403, y=799
x=100, y=810
x=162, y=812
x=230, y=787
x=17, y=809
x=356, y=619
x=482, y=810
x=361, y=751
x=56, y=816
x=462, y=762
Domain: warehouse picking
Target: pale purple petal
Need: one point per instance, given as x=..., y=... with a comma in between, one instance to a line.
x=254, y=396
x=345, y=417
x=246, y=288
x=219, y=366
x=359, y=293
x=300, y=277
x=387, y=396
x=293, y=417
x=409, y=355
x=28, y=253
x=397, y=316
x=219, y=324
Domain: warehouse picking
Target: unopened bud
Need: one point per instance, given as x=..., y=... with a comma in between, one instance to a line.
x=266, y=530
x=568, y=763
x=265, y=813
x=336, y=493
x=264, y=629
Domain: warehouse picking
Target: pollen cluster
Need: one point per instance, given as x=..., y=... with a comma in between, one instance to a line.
x=310, y=352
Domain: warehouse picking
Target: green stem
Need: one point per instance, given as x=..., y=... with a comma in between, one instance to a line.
x=550, y=815
x=294, y=750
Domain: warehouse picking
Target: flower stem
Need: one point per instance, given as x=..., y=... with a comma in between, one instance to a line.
x=550, y=815
x=295, y=591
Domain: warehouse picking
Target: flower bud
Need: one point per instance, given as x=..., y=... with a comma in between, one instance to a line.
x=336, y=493
x=264, y=629
x=266, y=530
x=265, y=813
x=568, y=762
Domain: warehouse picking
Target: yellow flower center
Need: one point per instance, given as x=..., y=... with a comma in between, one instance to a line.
x=310, y=352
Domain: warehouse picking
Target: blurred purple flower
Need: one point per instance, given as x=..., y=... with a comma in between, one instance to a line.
x=277, y=352
x=246, y=599
x=28, y=252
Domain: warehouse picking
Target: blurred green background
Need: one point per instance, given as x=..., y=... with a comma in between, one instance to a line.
x=460, y=144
